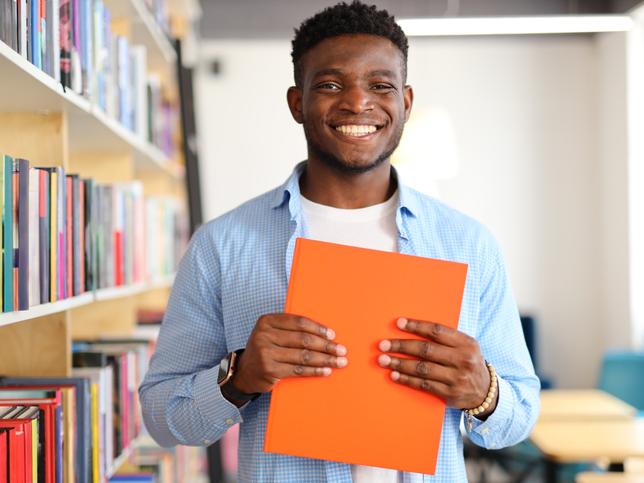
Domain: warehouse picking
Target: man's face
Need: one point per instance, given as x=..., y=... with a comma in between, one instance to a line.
x=352, y=103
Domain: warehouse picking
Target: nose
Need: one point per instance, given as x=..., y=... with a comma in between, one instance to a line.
x=356, y=99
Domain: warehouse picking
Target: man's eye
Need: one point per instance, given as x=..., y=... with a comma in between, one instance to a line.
x=380, y=87
x=329, y=85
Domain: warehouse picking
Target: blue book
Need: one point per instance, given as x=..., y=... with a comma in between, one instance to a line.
x=34, y=34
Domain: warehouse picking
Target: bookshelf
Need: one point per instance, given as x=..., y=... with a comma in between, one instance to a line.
x=53, y=126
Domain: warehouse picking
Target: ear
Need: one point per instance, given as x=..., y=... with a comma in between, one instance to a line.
x=294, y=99
x=408, y=100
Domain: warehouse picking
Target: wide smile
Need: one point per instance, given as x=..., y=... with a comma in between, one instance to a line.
x=361, y=132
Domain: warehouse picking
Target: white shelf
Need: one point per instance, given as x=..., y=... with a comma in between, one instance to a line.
x=145, y=31
x=26, y=88
x=84, y=299
x=46, y=309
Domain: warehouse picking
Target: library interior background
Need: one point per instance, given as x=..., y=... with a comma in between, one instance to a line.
x=127, y=124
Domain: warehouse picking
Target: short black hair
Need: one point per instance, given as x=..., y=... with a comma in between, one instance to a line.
x=346, y=19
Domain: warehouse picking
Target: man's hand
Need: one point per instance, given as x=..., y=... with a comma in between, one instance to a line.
x=283, y=345
x=448, y=363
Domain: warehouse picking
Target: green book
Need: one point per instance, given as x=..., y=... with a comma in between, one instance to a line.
x=7, y=234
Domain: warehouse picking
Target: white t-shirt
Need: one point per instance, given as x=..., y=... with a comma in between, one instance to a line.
x=371, y=227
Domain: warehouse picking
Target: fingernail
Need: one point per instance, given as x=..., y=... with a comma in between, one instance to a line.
x=330, y=334
x=326, y=371
x=401, y=323
x=342, y=361
x=340, y=350
x=385, y=345
x=395, y=375
x=384, y=360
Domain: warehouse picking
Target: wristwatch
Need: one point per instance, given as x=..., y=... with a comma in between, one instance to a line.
x=227, y=369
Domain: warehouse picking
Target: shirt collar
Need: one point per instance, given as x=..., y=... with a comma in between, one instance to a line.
x=289, y=192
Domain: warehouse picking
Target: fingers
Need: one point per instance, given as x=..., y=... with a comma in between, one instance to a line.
x=418, y=368
x=306, y=340
x=282, y=370
x=429, y=330
x=297, y=323
x=308, y=358
x=437, y=388
x=421, y=349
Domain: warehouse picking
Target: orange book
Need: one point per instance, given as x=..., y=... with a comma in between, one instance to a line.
x=358, y=415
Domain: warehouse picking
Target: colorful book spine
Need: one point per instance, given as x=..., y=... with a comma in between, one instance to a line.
x=53, y=231
x=7, y=231
x=86, y=45
x=34, y=31
x=34, y=237
x=66, y=24
x=69, y=236
x=44, y=235
x=22, y=168
x=77, y=77
x=16, y=238
x=76, y=252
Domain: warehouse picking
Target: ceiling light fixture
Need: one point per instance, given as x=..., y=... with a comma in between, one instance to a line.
x=569, y=24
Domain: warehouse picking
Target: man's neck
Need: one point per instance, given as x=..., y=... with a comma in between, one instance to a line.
x=324, y=185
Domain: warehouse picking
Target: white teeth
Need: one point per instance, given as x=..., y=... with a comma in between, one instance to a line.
x=356, y=130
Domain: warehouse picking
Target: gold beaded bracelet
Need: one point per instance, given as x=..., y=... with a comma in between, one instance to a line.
x=491, y=393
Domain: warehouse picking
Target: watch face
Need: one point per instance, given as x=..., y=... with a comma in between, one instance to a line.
x=224, y=365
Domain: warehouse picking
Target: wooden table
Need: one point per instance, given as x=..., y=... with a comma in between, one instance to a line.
x=588, y=440
x=609, y=478
x=585, y=425
x=586, y=404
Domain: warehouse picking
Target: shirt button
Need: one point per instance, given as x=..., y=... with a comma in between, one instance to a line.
x=206, y=442
x=230, y=422
x=485, y=430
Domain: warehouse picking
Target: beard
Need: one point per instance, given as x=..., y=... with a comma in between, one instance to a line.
x=347, y=166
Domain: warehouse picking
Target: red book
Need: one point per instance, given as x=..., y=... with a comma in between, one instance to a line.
x=70, y=236
x=4, y=466
x=20, y=445
x=17, y=458
x=118, y=254
x=81, y=223
x=49, y=406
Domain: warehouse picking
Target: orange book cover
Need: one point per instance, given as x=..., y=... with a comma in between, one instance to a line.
x=358, y=415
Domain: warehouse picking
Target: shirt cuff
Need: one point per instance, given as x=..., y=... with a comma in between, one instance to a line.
x=218, y=413
x=491, y=430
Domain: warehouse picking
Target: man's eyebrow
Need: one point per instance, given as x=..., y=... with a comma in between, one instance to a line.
x=329, y=71
x=382, y=73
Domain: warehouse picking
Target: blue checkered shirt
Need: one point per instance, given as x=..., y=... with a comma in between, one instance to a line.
x=237, y=268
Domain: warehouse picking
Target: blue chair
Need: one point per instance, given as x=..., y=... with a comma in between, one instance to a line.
x=622, y=375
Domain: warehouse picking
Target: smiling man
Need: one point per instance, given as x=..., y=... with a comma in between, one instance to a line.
x=225, y=342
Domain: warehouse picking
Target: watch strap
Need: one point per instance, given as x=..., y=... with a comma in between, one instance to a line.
x=228, y=390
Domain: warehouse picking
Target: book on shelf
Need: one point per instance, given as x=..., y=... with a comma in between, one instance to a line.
x=73, y=42
x=21, y=445
x=49, y=407
x=65, y=235
x=76, y=417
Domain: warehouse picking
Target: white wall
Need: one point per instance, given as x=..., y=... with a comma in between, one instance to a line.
x=248, y=140
x=524, y=111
